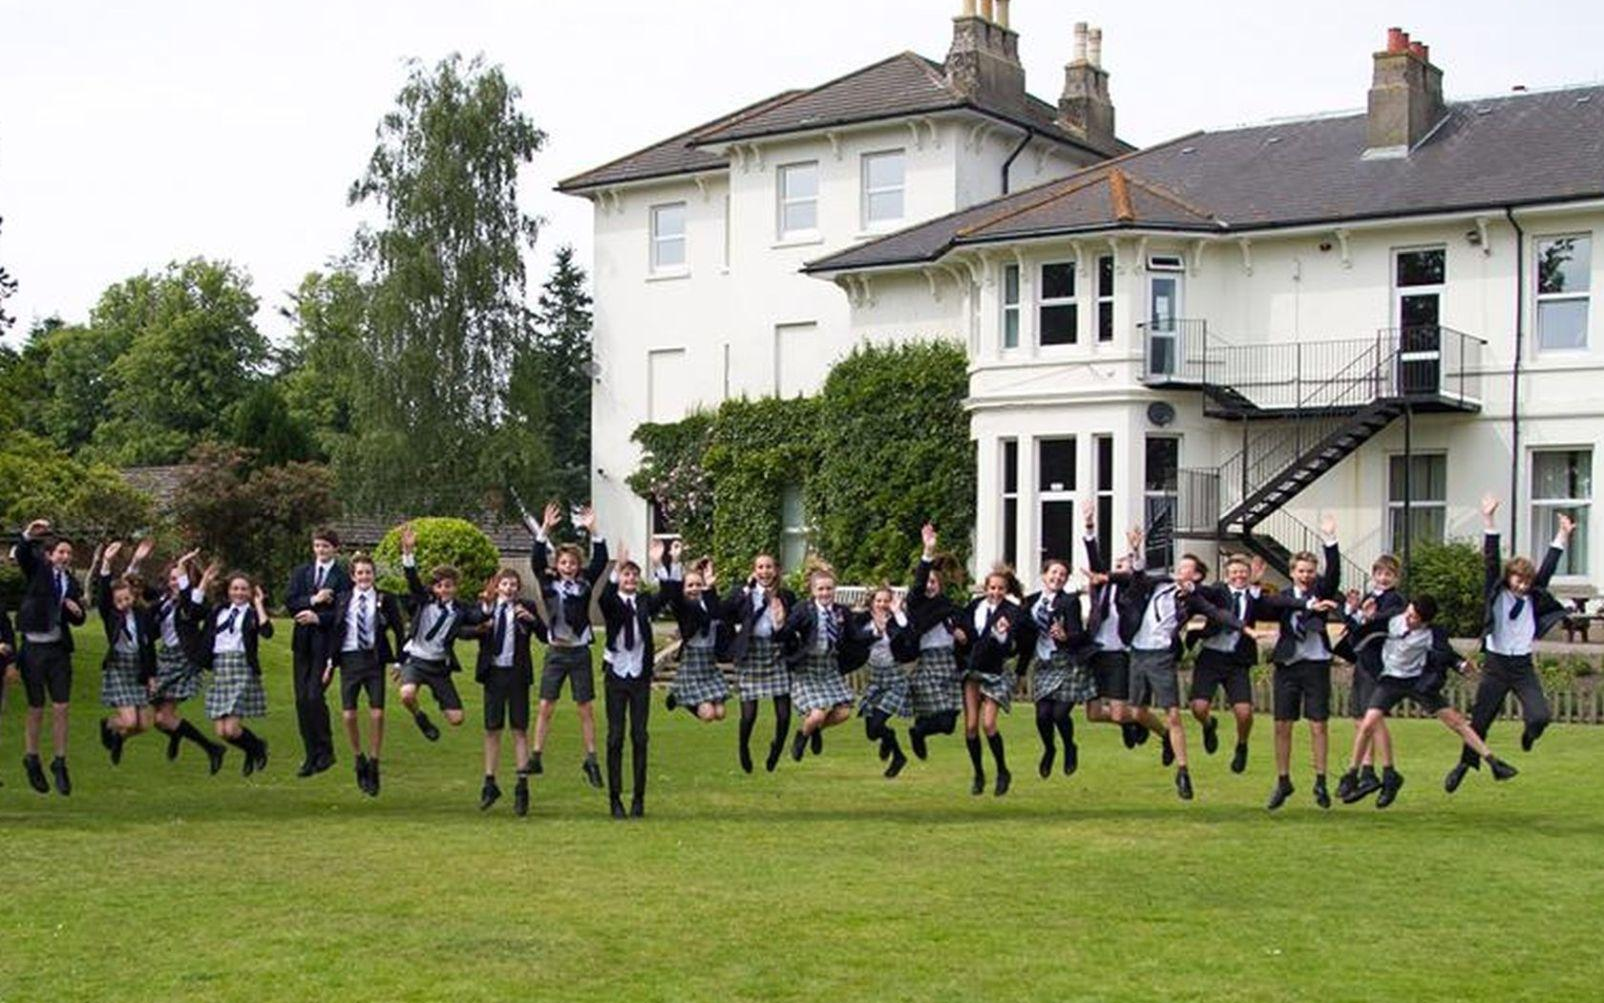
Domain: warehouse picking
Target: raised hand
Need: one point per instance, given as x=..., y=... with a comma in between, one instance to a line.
x=654, y=552
x=622, y=552
x=409, y=538
x=143, y=550
x=210, y=574
x=1133, y=536
x=1489, y=508
x=260, y=599
x=1567, y=525
x=549, y=518
x=188, y=560
x=587, y=520
x=927, y=536
x=113, y=548
x=896, y=603
x=1088, y=514
x=37, y=528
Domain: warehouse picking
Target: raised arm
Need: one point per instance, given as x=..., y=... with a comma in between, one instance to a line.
x=1331, y=573
x=1556, y=550
x=26, y=552
x=1491, y=576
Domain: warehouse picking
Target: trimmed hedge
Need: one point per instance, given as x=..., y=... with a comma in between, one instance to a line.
x=1452, y=573
x=440, y=541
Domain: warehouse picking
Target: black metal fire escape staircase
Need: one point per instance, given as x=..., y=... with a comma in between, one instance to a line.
x=1303, y=408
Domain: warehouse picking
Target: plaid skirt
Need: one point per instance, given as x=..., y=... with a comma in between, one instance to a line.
x=886, y=692
x=760, y=673
x=934, y=686
x=998, y=687
x=236, y=691
x=119, y=682
x=1062, y=679
x=699, y=679
x=176, y=679
x=817, y=684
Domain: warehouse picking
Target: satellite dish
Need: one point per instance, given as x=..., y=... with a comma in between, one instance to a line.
x=1160, y=413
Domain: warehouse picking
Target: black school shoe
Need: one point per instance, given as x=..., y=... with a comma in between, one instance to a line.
x=1071, y=759
x=1005, y=780
x=799, y=746
x=489, y=794
x=898, y=761
x=1322, y=797
x=1455, y=777
x=916, y=739
x=362, y=773
x=520, y=797
x=36, y=774
x=978, y=786
x=1045, y=767
x=637, y=808
x=592, y=772
x=426, y=726
x=776, y=750
x=1390, y=786
x=1127, y=735
x=1168, y=755
x=260, y=758
x=214, y=757
x=1211, y=735
x=1183, y=784
x=1368, y=784
x=174, y=739
x=1239, y=762
x=617, y=808
x=58, y=769
x=1278, y=797
x=1346, y=785
x=746, y=759
x=816, y=742
x=1501, y=770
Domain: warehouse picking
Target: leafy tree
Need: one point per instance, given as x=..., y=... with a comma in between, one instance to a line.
x=24, y=387
x=39, y=481
x=8, y=287
x=76, y=364
x=561, y=357
x=445, y=315
x=325, y=360
x=256, y=519
x=263, y=422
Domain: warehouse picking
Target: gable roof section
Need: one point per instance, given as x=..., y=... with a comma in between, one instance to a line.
x=1516, y=149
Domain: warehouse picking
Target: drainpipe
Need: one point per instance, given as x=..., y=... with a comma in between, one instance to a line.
x=1514, y=387
x=1030, y=134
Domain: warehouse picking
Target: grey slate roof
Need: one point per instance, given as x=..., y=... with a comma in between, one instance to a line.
x=901, y=85
x=1516, y=149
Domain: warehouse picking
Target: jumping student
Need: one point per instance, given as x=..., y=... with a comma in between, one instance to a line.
x=1381, y=603
x=1053, y=638
x=985, y=639
x=936, y=685
x=1112, y=620
x=506, y=669
x=1518, y=610
x=699, y=684
x=1302, y=658
x=891, y=642
x=129, y=667
x=227, y=645
x=438, y=619
x=365, y=620
x=813, y=636
x=566, y=593
x=1226, y=656
x=178, y=677
x=627, y=676
x=1415, y=659
x=310, y=603
x=52, y=604
x=755, y=612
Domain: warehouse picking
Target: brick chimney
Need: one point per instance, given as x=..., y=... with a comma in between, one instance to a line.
x=1405, y=97
x=1085, y=107
x=983, y=62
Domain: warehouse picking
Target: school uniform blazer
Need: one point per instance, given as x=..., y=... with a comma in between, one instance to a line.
x=524, y=631
x=387, y=623
x=1363, y=649
x=800, y=635
x=183, y=621
x=575, y=609
x=1246, y=652
x=465, y=626
x=926, y=611
x=113, y=622
x=7, y=637
x=1066, y=612
x=1140, y=585
x=1440, y=659
x=987, y=653
x=40, y=612
x=314, y=640
x=1128, y=604
x=615, y=614
x=250, y=628
x=856, y=644
x=1541, y=606
x=1291, y=616
x=742, y=617
x=693, y=618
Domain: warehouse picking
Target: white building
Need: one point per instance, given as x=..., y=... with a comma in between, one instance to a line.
x=1382, y=314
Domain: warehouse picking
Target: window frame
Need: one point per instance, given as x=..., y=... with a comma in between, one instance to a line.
x=1105, y=299
x=865, y=192
x=1539, y=297
x=1151, y=494
x=1416, y=504
x=782, y=201
x=1580, y=509
x=1012, y=310
x=1009, y=513
x=1044, y=303
x=656, y=239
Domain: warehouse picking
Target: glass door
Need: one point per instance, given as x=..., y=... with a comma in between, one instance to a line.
x=1418, y=278
x=1163, y=323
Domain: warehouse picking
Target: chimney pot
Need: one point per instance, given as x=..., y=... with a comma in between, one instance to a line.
x=1397, y=41
x=1406, y=99
x=968, y=9
x=1094, y=47
x=1418, y=50
x=986, y=10
x=1002, y=13
x=1080, y=42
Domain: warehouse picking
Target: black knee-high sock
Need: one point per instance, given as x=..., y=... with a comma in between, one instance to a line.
x=874, y=726
x=1044, y=723
x=187, y=730
x=973, y=742
x=944, y=723
x=996, y=743
x=748, y=722
x=254, y=744
x=1064, y=722
x=782, y=719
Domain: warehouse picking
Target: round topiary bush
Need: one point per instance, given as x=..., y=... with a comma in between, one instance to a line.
x=456, y=542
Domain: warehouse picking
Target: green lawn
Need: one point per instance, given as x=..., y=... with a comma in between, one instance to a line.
x=822, y=882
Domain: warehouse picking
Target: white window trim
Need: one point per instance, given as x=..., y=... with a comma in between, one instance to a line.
x=654, y=239
x=1102, y=299
x=1100, y=490
x=1042, y=496
x=788, y=238
x=1440, y=289
x=1539, y=298
x=1006, y=495
x=1166, y=263
x=1389, y=506
x=864, y=191
x=1042, y=302
x=1539, y=543
x=1016, y=308
x=1180, y=446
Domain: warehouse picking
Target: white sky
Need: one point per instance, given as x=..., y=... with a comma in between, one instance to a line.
x=132, y=134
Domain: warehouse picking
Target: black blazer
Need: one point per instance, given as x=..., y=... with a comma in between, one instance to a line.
x=206, y=614
x=575, y=609
x=1440, y=659
x=800, y=635
x=987, y=653
x=113, y=622
x=1066, y=612
x=7, y=637
x=928, y=612
x=1363, y=647
x=857, y=642
x=465, y=626
x=523, y=632
x=693, y=619
x=1545, y=610
x=741, y=615
x=314, y=640
x=1294, y=620
x=1128, y=603
x=1246, y=652
x=1143, y=588
x=40, y=612
x=615, y=614
x=387, y=623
